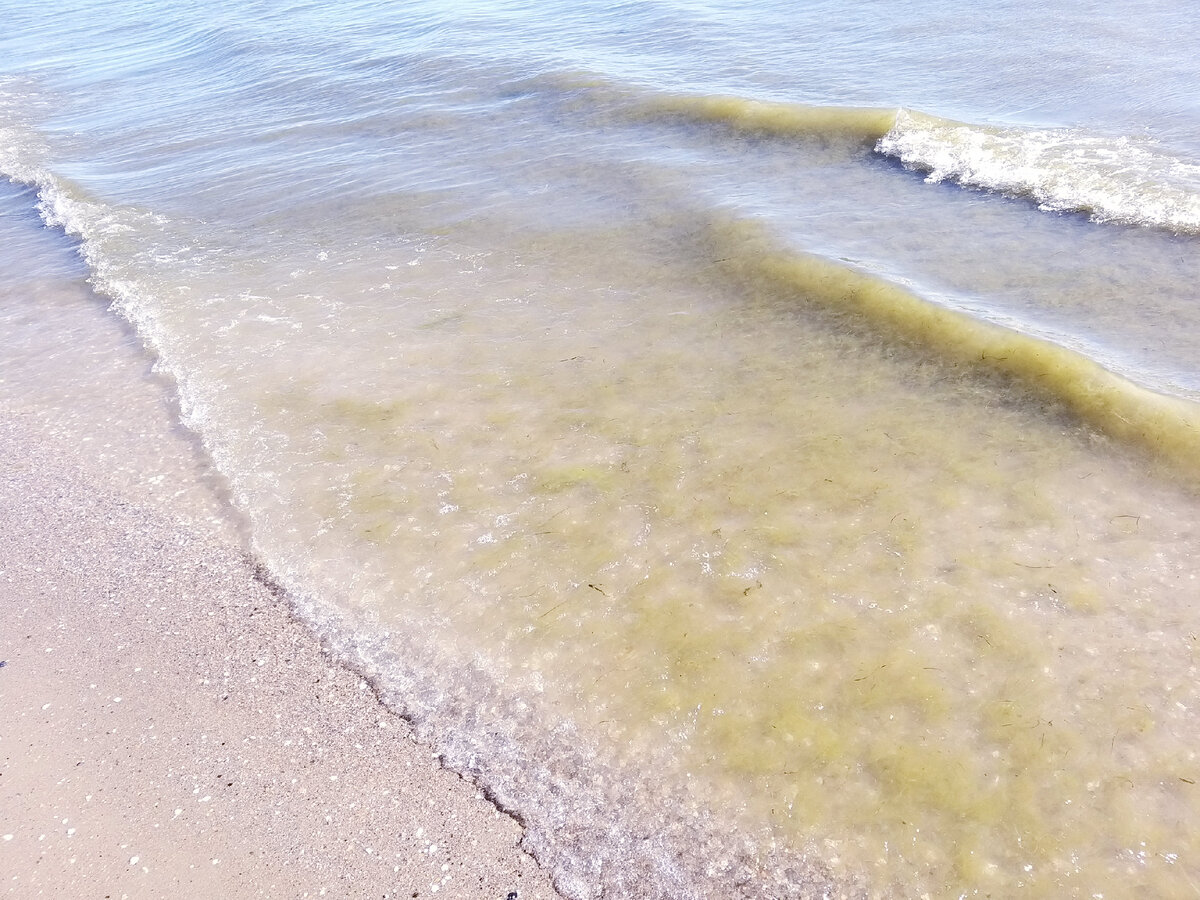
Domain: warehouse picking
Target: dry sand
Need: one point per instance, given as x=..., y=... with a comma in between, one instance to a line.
x=166, y=728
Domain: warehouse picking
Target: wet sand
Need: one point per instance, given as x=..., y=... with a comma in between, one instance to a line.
x=167, y=729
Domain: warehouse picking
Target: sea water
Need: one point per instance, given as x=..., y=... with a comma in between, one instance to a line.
x=757, y=444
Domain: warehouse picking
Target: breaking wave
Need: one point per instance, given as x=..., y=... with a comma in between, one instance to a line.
x=1124, y=180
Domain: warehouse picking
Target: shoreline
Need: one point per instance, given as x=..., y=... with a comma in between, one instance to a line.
x=167, y=728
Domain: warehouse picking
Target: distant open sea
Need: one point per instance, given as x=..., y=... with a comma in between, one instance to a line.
x=757, y=442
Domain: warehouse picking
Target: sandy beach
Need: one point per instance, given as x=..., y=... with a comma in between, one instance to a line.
x=167, y=729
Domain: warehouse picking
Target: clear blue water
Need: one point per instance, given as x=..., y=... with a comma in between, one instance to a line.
x=629, y=388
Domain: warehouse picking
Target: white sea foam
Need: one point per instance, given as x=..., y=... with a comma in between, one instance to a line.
x=1125, y=180
x=588, y=830
x=231, y=199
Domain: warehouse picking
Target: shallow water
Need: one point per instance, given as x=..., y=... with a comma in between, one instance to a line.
x=757, y=445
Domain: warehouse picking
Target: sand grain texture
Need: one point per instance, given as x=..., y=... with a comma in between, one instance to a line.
x=167, y=729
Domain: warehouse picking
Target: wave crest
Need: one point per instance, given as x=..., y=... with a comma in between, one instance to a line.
x=1121, y=180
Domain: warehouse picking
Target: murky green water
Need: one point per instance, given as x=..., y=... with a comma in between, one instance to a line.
x=756, y=488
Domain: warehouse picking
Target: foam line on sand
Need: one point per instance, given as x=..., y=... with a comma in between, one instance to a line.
x=167, y=729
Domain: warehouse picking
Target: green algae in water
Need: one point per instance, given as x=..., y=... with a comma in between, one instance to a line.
x=899, y=620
